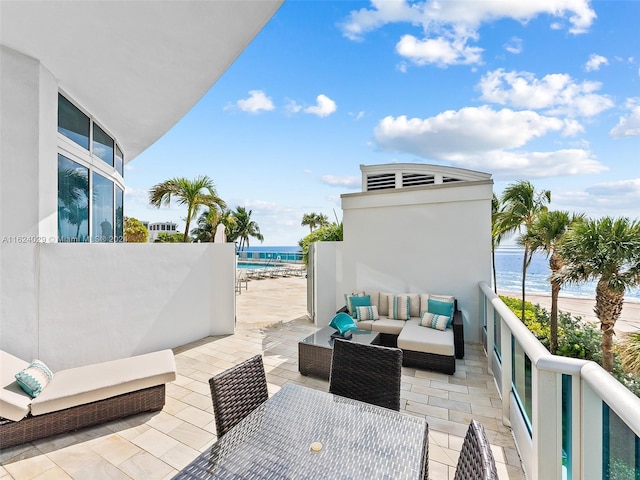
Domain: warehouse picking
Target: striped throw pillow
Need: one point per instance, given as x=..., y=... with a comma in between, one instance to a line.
x=34, y=378
x=433, y=320
x=399, y=307
x=367, y=313
x=347, y=300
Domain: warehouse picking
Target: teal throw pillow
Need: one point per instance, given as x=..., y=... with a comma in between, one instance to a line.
x=364, y=301
x=34, y=378
x=441, y=308
x=343, y=322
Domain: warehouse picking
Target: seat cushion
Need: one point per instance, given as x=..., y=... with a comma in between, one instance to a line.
x=365, y=324
x=388, y=325
x=90, y=383
x=423, y=339
x=14, y=401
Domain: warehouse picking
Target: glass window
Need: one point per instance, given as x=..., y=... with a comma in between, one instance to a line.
x=73, y=201
x=102, y=211
x=620, y=448
x=72, y=123
x=119, y=215
x=119, y=161
x=102, y=145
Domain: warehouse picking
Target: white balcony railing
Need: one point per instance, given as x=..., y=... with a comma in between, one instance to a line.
x=570, y=418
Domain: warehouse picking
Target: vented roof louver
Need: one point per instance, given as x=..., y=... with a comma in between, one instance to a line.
x=415, y=179
x=450, y=179
x=381, y=182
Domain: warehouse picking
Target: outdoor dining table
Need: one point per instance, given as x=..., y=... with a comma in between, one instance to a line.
x=301, y=433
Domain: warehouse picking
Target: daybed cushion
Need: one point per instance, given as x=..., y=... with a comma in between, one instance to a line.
x=388, y=325
x=422, y=339
x=90, y=383
x=14, y=402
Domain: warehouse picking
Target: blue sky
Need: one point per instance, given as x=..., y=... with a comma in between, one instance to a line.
x=545, y=90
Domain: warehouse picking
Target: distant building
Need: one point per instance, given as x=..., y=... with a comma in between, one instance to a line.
x=156, y=228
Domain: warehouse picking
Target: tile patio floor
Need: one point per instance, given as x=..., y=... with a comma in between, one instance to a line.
x=271, y=319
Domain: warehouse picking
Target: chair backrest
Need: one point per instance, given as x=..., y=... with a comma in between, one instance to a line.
x=368, y=373
x=237, y=392
x=476, y=460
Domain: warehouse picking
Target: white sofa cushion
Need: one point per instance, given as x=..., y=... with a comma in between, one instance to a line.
x=383, y=307
x=428, y=340
x=366, y=324
x=14, y=401
x=388, y=325
x=90, y=383
x=424, y=301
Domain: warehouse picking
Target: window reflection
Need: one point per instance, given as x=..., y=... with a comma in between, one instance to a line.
x=72, y=123
x=102, y=145
x=73, y=201
x=119, y=161
x=119, y=215
x=102, y=211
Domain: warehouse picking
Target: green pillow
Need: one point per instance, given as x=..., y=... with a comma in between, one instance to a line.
x=441, y=308
x=343, y=322
x=364, y=301
x=34, y=378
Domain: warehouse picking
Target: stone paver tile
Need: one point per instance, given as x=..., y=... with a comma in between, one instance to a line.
x=429, y=410
x=195, y=416
x=180, y=456
x=479, y=400
x=450, y=404
x=100, y=470
x=114, y=449
x=155, y=442
x=449, y=387
x=438, y=471
x=55, y=473
x=198, y=400
x=429, y=391
x=165, y=422
x=75, y=458
x=191, y=435
x=145, y=466
x=29, y=467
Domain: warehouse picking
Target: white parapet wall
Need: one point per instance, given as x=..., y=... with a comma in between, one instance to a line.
x=416, y=229
x=77, y=304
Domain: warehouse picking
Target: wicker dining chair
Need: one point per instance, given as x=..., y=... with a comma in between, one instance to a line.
x=476, y=460
x=369, y=373
x=237, y=392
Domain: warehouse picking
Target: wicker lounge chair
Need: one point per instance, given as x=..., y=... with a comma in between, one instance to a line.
x=369, y=373
x=476, y=460
x=237, y=392
x=81, y=397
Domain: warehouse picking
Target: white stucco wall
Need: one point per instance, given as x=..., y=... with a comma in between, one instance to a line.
x=434, y=239
x=73, y=304
x=97, y=302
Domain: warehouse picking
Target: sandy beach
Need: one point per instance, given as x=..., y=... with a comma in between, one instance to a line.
x=629, y=320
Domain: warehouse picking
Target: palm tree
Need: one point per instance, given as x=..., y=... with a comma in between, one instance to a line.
x=244, y=228
x=192, y=193
x=314, y=220
x=208, y=223
x=545, y=234
x=607, y=251
x=496, y=237
x=521, y=204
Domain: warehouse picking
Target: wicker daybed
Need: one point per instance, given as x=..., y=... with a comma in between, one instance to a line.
x=81, y=397
x=422, y=347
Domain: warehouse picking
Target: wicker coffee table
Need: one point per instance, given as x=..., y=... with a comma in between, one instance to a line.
x=315, y=351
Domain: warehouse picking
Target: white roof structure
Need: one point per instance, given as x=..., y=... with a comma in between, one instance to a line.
x=118, y=57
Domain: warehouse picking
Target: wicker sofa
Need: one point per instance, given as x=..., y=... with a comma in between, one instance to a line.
x=422, y=347
x=81, y=397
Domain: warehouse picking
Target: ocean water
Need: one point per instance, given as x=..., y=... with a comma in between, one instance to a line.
x=509, y=273
x=509, y=276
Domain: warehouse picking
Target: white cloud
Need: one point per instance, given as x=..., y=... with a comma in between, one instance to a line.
x=557, y=93
x=629, y=125
x=595, y=62
x=324, y=106
x=257, y=102
x=467, y=131
x=514, y=46
x=485, y=139
x=336, y=181
x=449, y=25
x=535, y=164
x=622, y=187
x=292, y=107
x=441, y=51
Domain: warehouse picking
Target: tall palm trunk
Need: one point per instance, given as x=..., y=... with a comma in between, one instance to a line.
x=608, y=308
x=525, y=264
x=555, y=264
x=493, y=265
